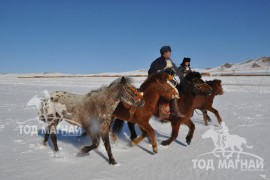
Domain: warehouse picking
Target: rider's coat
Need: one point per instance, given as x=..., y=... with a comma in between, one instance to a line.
x=162, y=63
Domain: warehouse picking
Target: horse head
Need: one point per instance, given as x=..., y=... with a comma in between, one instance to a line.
x=160, y=83
x=193, y=82
x=216, y=84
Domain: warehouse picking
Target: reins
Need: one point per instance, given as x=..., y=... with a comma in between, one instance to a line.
x=164, y=86
x=196, y=86
x=131, y=107
x=130, y=95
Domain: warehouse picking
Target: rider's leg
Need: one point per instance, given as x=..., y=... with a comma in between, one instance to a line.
x=174, y=111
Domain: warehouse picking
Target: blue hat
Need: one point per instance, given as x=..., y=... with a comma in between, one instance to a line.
x=165, y=49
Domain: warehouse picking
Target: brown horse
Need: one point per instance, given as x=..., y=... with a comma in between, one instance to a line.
x=190, y=87
x=154, y=87
x=205, y=103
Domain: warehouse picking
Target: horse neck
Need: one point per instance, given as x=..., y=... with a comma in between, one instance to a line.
x=151, y=98
x=108, y=95
x=186, y=100
x=187, y=89
x=215, y=91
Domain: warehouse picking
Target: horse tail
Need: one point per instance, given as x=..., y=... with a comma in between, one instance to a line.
x=41, y=115
x=117, y=126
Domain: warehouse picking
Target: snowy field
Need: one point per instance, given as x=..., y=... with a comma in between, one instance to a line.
x=244, y=108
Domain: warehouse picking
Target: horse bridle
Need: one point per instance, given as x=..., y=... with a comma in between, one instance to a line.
x=132, y=108
x=166, y=89
x=196, y=86
x=133, y=98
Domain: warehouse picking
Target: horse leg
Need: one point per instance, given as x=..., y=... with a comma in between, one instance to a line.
x=111, y=133
x=208, y=118
x=174, y=133
x=205, y=117
x=213, y=110
x=47, y=134
x=150, y=131
x=140, y=138
x=191, y=130
x=107, y=145
x=53, y=136
x=113, y=136
x=95, y=141
x=131, y=127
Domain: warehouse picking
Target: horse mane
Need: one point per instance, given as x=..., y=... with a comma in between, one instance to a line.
x=213, y=82
x=152, y=78
x=193, y=75
x=128, y=79
x=185, y=83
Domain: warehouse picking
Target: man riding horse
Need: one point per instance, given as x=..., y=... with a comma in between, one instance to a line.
x=164, y=63
x=184, y=68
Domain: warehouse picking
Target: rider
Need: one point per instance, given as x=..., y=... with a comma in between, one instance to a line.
x=184, y=68
x=164, y=62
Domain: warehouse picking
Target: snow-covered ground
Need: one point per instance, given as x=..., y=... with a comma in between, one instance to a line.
x=244, y=108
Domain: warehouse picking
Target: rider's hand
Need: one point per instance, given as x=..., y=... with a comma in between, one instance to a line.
x=170, y=71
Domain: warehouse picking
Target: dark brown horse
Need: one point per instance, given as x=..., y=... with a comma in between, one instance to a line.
x=155, y=87
x=190, y=87
x=205, y=103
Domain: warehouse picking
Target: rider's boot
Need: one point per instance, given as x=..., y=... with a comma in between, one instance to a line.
x=175, y=115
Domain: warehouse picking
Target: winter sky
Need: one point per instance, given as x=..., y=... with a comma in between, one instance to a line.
x=88, y=36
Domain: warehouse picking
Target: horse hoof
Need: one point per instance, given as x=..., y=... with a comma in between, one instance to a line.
x=84, y=150
x=155, y=150
x=133, y=137
x=164, y=143
x=132, y=144
x=188, y=142
x=113, y=162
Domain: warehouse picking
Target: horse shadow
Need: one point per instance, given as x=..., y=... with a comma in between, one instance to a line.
x=162, y=135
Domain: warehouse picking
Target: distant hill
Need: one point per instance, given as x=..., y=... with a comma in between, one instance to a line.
x=253, y=67
x=261, y=63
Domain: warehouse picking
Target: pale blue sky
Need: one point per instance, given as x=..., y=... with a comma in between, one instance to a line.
x=85, y=36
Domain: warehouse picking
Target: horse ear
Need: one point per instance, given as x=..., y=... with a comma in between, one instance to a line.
x=123, y=80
